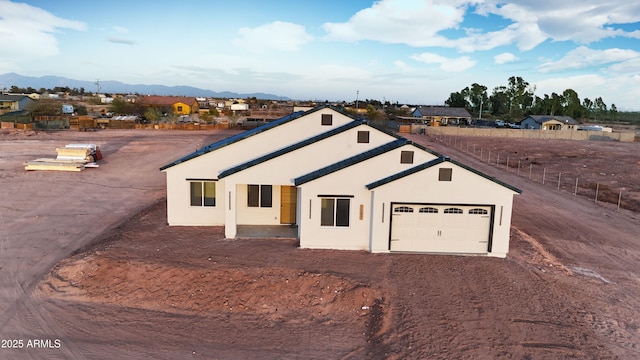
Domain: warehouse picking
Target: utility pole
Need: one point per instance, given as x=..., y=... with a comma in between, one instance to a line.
x=357, y=94
x=480, y=115
x=98, y=85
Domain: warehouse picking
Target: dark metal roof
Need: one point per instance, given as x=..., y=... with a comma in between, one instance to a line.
x=235, y=138
x=290, y=148
x=351, y=161
x=431, y=163
x=443, y=111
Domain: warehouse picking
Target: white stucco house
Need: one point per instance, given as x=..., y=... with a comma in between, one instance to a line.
x=344, y=184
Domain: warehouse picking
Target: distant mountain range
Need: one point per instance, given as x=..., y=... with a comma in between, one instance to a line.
x=116, y=87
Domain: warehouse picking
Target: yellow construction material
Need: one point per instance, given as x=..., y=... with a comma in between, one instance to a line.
x=56, y=166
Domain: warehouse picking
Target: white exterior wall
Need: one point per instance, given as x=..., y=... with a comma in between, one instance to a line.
x=179, y=210
x=209, y=165
x=350, y=181
x=246, y=215
x=311, y=157
x=465, y=188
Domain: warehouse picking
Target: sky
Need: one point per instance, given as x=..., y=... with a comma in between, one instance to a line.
x=406, y=51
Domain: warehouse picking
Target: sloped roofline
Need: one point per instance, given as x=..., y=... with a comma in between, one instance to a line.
x=434, y=162
x=291, y=148
x=248, y=133
x=351, y=161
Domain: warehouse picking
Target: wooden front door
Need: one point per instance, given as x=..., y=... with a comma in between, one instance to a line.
x=288, y=202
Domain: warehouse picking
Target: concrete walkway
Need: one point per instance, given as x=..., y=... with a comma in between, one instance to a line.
x=267, y=231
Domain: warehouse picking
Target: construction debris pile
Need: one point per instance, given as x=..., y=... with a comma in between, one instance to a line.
x=72, y=157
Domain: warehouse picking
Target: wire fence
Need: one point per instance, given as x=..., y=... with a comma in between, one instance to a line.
x=565, y=181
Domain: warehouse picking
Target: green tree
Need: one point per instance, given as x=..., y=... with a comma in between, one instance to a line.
x=119, y=106
x=478, y=97
x=457, y=99
x=571, y=104
x=613, y=111
x=499, y=101
x=153, y=115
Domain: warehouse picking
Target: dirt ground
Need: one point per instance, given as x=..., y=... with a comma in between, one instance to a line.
x=89, y=268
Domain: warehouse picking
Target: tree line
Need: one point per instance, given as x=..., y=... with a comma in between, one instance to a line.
x=517, y=100
x=58, y=89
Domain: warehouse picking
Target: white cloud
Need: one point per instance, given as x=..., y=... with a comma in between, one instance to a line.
x=278, y=35
x=27, y=31
x=446, y=64
x=120, y=29
x=504, y=58
x=415, y=23
x=583, y=57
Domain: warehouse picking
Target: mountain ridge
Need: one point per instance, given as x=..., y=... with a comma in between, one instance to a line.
x=116, y=87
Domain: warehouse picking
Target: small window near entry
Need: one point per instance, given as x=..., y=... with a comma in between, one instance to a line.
x=179, y=108
x=429, y=210
x=445, y=174
x=403, y=209
x=327, y=119
x=334, y=212
x=259, y=196
x=406, y=157
x=203, y=193
x=453, y=211
x=363, y=137
x=478, y=211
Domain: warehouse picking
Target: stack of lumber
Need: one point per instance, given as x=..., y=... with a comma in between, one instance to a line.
x=73, y=157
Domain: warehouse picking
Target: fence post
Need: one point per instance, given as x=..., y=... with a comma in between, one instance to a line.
x=507, y=164
x=530, y=169
x=575, y=191
x=597, y=188
x=474, y=149
x=544, y=174
x=518, y=167
x=619, y=199
x=498, y=160
x=480, y=154
x=489, y=157
x=559, y=176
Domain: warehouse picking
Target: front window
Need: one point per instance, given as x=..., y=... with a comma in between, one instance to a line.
x=203, y=193
x=259, y=196
x=334, y=212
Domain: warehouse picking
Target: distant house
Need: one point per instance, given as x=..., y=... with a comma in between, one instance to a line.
x=14, y=102
x=179, y=105
x=343, y=184
x=442, y=115
x=549, y=122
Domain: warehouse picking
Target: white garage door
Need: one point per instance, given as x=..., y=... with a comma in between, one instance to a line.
x=440, y=228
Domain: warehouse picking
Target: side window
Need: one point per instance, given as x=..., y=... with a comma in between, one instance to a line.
x=334, y=212
x=327, y=119
x=406, y=157
x=203, y=193
x=445, y=174
x=363, y=137
x=259, y=196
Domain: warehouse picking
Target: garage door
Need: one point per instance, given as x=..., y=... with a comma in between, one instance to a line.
x=440, y=228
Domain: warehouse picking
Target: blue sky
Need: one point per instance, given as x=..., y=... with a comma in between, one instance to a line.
x=409, y=51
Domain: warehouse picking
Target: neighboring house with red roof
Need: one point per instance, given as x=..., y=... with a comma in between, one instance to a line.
x=180, y=105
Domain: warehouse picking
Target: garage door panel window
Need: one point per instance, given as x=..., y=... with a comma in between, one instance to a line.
x=403, y=209
x=429, y=210
x=203, y=193
x=334, y=212
x=453, y=211
x=478, y=212
x=259, y=196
